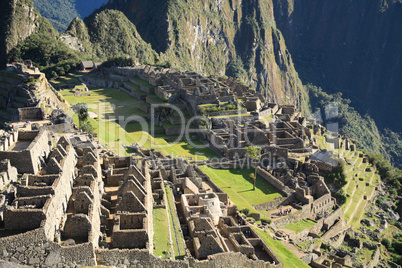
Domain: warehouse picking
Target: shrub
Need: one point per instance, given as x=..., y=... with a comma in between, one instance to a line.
x=340, y=196
x=386, y=242
x=235, y=68
x=266, y=220
x=86, y=127
x=246, y=211
x=338, y=175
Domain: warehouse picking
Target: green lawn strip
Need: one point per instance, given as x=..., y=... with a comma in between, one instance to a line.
x=135, y=86
x=162, y=241
x=358, y=213
x=231, y=115
x=188, y=150
x=376, y=180
x=351, y=187
x=140, y=81
x=239, y=186
x=300, y=225
x=286, y=256
x=266, y=119
x=169, y=125
x=179, y=243
x=155, y=98
x=355, y=157
x=235, y=197
x=355, y=200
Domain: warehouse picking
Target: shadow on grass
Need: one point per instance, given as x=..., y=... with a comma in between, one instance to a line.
x=206, y=151
x=260, y=183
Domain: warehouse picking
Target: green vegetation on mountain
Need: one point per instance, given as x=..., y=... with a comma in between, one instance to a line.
x=218, y=38
x=60, y=13
x=112, y=34
x=388, y=173
x=46, y=51
x=53, y=57
x=19, y=21
x=350, y=122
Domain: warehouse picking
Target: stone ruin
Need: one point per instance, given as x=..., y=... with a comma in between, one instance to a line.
x=129, y=206
x=26, y=150
x=230, y=138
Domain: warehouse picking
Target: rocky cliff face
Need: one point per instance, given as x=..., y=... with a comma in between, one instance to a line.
x=20, y=20
x=349, y=46
x=205, y=36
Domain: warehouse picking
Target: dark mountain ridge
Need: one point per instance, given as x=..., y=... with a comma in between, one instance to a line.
x=352, y=47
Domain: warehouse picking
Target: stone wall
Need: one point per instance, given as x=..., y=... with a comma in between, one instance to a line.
x=60, y=128
x=134, y=258
x=174, y=131
x=274, y=181
x=230, y=112
x=375, y=258
x=323, y=204
x=25, y=219
x=275, y=204
x=330, y=220
x=31, y=113
x=316, y=229
x=231, y=259
x=39, y=147
x=338, y=227
x=142, y=258
x=295, y=217
x=130, y=238
x=8, y=173
x=27, y=160
x=32, y=248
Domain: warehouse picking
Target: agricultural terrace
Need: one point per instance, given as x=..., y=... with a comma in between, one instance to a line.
x=361, y=182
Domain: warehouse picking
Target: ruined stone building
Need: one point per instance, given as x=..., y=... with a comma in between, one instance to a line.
x=289, y=133
x=41, y=200
x=215, y=226
x=128, y=197
x=82, y=221
x=26, y=149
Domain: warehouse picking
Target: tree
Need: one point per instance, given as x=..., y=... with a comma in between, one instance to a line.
x=83, y=113
x=253, y=153
x=235, y=68
x=252, y=176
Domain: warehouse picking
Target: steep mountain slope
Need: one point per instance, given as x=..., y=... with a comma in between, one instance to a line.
x=206, y=36
x=61, y=12
x=112, y=34
x=19, y=21
x=349, y=46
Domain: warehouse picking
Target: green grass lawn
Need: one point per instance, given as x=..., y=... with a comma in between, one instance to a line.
x=162, y=241
x=266, y=119
x=140, y=81
x=300, y=225
x=231, y=115
x=116, y=124
x=155, y=98
x=289, y=259
x=238, y=185
x=67, y=79
x=179, y=243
